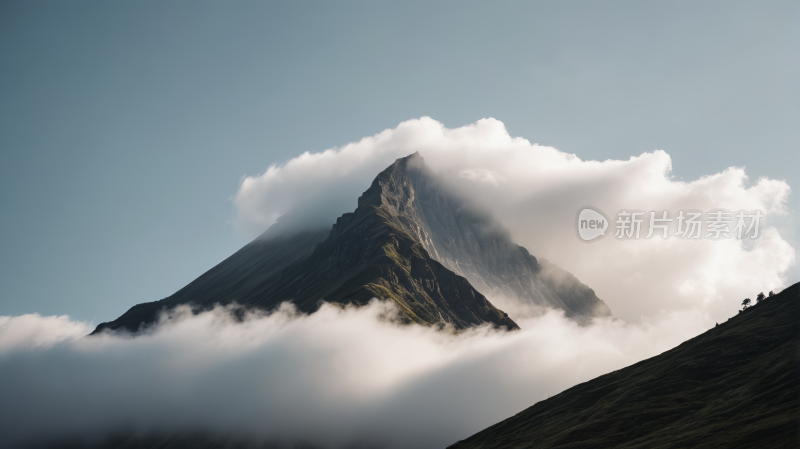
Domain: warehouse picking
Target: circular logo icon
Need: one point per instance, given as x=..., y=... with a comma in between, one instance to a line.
x=590, y=224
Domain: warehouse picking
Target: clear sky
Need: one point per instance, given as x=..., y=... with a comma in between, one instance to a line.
x=125, y=127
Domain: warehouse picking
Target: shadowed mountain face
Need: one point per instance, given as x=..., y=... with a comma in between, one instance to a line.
x=733, y=386
x=409, y=241
x=471, y=243
x=246, y=275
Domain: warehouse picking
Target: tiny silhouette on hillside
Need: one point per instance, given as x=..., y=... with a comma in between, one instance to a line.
x=760, y=297
x=770, y=293
x=746, y=303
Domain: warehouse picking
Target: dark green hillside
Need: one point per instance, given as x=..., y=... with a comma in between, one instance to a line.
x=735, y=386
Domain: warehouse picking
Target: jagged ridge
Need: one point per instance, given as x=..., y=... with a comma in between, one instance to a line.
x=366, y=254
x=409, y=241
x=471, y=243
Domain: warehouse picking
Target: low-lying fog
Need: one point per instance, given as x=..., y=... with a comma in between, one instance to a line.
x=341, y=377
x=334, y=378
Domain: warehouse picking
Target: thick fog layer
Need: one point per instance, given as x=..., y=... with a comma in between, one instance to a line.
x=337, y=377
x=536, y=191
x=350, y=377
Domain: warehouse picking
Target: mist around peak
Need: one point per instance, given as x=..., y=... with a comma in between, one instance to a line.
x=535, y=191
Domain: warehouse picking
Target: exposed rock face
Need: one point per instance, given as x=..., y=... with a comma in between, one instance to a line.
x=409, y=242
x=474, y=245
x=366, y=255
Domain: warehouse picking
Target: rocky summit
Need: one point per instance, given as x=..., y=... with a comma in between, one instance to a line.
x=410, y=241
x=471, y=243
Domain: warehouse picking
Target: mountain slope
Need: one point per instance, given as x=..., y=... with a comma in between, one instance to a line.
x=365, y=255
x=409, y=241
x=734, y=386
x=239, y=278
x=473, y=244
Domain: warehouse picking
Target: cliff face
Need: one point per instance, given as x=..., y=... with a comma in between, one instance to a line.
x=409, y=241
x=365, y=255
x=471, y=243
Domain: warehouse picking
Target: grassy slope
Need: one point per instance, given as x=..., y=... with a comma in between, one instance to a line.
x=734, y=386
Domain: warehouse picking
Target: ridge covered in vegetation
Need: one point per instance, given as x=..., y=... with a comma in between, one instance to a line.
x=734, y=386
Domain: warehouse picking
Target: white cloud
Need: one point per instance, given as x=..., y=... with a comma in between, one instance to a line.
x=343, y=376
x=36, y=331
x=536, y=191
x=334, y=378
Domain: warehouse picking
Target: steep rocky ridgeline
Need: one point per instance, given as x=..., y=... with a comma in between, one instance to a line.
x=409, y=241
x=364, y=256
x=471, y=243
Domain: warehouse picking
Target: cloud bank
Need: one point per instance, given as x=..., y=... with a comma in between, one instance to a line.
x=536, y=191
x=337, y=378
x=35, y=331
x=350, y=377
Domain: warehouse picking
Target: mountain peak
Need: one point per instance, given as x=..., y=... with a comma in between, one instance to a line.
x=414, y=155
x=413, y=162
x=388, y=186
x=466, y=239
x=409, y=241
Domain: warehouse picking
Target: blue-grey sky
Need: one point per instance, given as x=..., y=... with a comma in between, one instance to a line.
x=125, y=127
